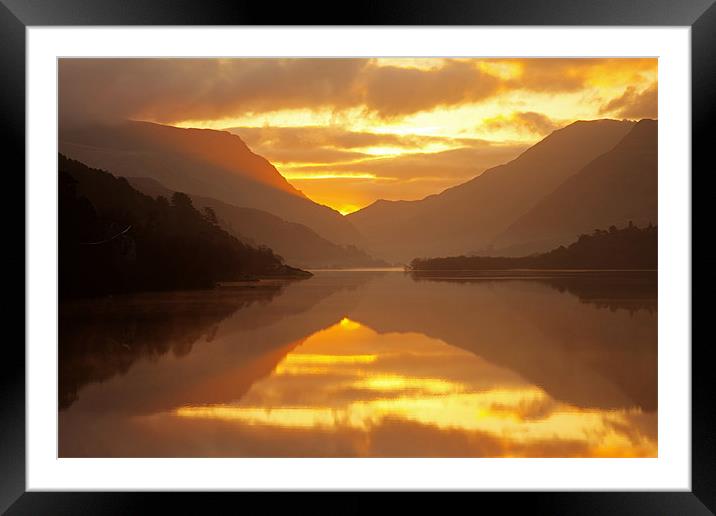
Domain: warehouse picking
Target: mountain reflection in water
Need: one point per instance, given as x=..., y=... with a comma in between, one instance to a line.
x=367, y=364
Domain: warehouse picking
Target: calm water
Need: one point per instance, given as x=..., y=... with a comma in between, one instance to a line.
x=367, y=363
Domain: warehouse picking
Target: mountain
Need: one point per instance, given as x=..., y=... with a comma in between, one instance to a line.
x=205, y=162
x=617, y=187
x=469, y=216
x=114, y=239
x=296, y=243
x=628, y=248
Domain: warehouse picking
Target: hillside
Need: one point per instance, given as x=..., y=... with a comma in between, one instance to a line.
x=627, y=248
x=205, y=162
x=296, y=243
x=469, y=216
x=115, y=239
x=617, y=187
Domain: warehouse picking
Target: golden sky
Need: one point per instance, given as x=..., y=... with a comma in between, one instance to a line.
x=349, y=131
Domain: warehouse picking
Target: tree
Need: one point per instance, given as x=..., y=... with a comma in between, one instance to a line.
x=162, y=203
x=182, y=201
x=210, y=215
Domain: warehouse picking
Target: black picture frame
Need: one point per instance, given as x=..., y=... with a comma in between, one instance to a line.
x=700, y=15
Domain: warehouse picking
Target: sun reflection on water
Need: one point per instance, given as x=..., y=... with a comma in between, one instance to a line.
x=349, y=378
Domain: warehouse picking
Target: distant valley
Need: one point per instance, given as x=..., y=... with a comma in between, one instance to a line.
x=587, y=175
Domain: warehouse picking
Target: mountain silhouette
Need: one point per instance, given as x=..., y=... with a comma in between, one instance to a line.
x=469, y=216
x=299, y=245
x=617, y=187
x=204, y=162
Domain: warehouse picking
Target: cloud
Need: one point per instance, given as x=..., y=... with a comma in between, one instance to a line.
x=407, y=176
x=172, y=90
x=634, y=104
x=392, y=91
x=316, y=143
x=452, y=165
x=560, y=75
x=551, y=75
x=330, y=136
x=333, y=144
x=522, y=122
x=176, y=90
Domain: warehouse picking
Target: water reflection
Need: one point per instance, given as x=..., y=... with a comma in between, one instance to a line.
x=616, y=290
x=99, y=339
x=375, y=364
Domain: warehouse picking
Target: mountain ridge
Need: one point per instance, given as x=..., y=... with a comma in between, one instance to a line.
x=615, y=188
x=205, y=162
x=469, y=216
x=296, y=243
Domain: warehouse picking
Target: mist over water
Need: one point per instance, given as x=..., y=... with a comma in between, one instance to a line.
x=367, y=363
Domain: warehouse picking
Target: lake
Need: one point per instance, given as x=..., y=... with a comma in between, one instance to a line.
x=367, y=364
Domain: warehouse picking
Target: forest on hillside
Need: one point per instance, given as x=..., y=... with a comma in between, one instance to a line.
x=626, y=248
x=114, y=239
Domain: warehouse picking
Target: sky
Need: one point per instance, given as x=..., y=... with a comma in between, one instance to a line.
x=350, y=131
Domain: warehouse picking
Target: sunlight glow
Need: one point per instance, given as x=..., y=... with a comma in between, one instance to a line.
x=328, y=175
x=347, y=324
x=346, y=209
x=524, y=100
x=518, y=415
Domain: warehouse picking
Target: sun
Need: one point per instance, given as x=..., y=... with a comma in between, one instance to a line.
x=347, y=209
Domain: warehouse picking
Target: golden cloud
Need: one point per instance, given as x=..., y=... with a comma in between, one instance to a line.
x=634, y=104
x=526, y=121
x=175, y=90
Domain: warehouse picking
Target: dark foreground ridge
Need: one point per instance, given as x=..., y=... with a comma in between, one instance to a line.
x=114, y=239
x=627, y=248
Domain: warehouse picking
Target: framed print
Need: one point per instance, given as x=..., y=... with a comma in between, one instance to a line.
x=431, y=248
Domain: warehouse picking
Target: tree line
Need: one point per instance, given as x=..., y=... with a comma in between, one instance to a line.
x=114, y=239
x=630, y=247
